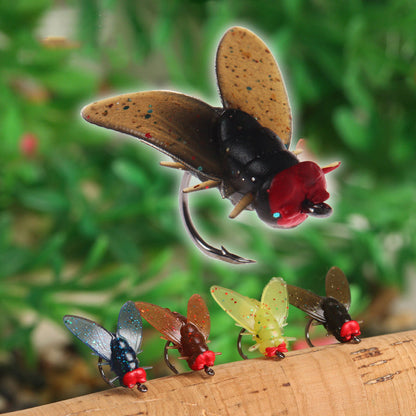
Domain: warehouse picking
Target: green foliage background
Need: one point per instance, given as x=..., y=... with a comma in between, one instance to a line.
x=91, y=212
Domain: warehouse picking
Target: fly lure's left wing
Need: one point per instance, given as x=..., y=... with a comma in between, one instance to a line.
x=336, y=286
x=162, y=319
x=198, y=314
x=274, y=299
x=241, y=308
x=91, y=334
x=130, y=325
x=180, y=126
x=306, y=301
x=249, y=79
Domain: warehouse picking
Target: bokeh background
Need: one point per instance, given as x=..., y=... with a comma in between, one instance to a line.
x=88, y=218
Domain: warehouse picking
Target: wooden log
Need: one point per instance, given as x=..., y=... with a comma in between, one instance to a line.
x=375, y=377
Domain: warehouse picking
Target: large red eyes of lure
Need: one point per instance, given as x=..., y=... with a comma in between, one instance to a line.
x=134, y=377
x=297, y=192
x=349, y=330
x=206, y=359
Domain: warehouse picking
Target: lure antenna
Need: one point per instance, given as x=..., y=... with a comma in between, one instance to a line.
x=216, y=253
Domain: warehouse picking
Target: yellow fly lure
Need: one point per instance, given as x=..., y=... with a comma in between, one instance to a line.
x=264, y=320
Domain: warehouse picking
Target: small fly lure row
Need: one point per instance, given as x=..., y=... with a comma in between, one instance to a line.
x=119, y=350
x=265, y=320
x=241, y=148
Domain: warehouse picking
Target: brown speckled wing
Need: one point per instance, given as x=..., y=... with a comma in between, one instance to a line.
x=198, y=314
x=162, y=319
x=249, y=79
x=336, y=286
x=306, y=301
x=176, y=124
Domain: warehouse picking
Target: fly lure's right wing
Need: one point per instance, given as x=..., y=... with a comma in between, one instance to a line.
x=130, y=325
x=336, y=286
x=274, y=299
x=249, y=79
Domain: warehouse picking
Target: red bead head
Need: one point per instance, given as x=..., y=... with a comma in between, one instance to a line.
x=273, y=352
x=134, y=377
x=350, y=330
x=204, y=360
x=297, y=192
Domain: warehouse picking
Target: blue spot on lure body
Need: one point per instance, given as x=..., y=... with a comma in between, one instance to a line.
x=123, y=357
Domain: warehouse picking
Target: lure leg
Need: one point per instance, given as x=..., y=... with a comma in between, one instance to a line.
x=173, y=165
x=201, y=186
x=241, y=205
x=240, y=350
x=307, y=328
x=221, y=254
x=166, y=356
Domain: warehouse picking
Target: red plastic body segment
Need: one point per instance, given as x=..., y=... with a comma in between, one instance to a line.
x=291, y=187
x=350, y=329
x=206, y=359
x=134, y=377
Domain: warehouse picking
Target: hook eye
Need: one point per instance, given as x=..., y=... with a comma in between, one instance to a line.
x=209, y=370
x=316, y=210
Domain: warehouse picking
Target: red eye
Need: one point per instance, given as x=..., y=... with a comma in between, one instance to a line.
x=206, y=359
x=134, y=377
x=271, y=352
x=350, y=329
x=290, y=189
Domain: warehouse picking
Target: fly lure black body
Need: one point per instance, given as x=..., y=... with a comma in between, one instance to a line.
x=330, y=311
x=241, y=148
x=119, y=350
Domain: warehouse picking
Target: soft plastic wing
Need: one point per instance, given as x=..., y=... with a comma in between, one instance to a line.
x=198, y=314
x=162, y=319
x=130, y=325
x=336, y=286
x=176, y=124
x=91, y=334
x=241, y=308
x=249, y=79
x=275, y=299
x=306, y=301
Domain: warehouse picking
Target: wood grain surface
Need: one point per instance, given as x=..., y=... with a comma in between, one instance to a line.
x=375, y=377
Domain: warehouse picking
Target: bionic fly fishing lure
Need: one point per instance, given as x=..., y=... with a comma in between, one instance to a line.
x=240, y=148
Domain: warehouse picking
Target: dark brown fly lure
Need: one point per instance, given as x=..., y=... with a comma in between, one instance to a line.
x=189, y=335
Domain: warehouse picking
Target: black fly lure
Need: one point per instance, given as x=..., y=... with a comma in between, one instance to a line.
x=240, y=148
x=119, y=350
